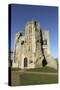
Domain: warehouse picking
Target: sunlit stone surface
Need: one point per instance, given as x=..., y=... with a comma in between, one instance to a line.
x=32, y=48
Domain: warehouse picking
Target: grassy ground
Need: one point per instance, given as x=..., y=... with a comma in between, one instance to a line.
x=29, y=79
x=43, y=69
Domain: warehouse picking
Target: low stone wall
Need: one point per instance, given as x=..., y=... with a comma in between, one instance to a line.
x=15, y=78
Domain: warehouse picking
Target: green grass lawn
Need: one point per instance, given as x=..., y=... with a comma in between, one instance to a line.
x=43, y=69
x=34, y=79
x=29, y=79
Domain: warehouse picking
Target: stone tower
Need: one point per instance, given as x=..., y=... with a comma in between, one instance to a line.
x=33, y=45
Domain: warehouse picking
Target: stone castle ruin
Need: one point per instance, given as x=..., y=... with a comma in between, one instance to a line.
x=32, y=48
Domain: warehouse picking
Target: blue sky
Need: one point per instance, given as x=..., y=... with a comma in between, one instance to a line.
x=46, y=15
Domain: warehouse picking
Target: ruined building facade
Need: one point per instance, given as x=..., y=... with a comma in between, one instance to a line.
x=32, y=48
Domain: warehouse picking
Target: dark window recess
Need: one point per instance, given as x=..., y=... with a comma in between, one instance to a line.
x=31, y=61
x=45, y=42
x=41, y=42
x=44, y=62
x=20, y=34
x=22, y=42
x=25, y=62
x=35, y=23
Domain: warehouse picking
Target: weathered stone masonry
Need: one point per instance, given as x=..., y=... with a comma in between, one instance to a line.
x=32, y=48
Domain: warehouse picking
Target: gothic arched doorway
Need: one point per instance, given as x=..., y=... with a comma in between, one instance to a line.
x=25, y=62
